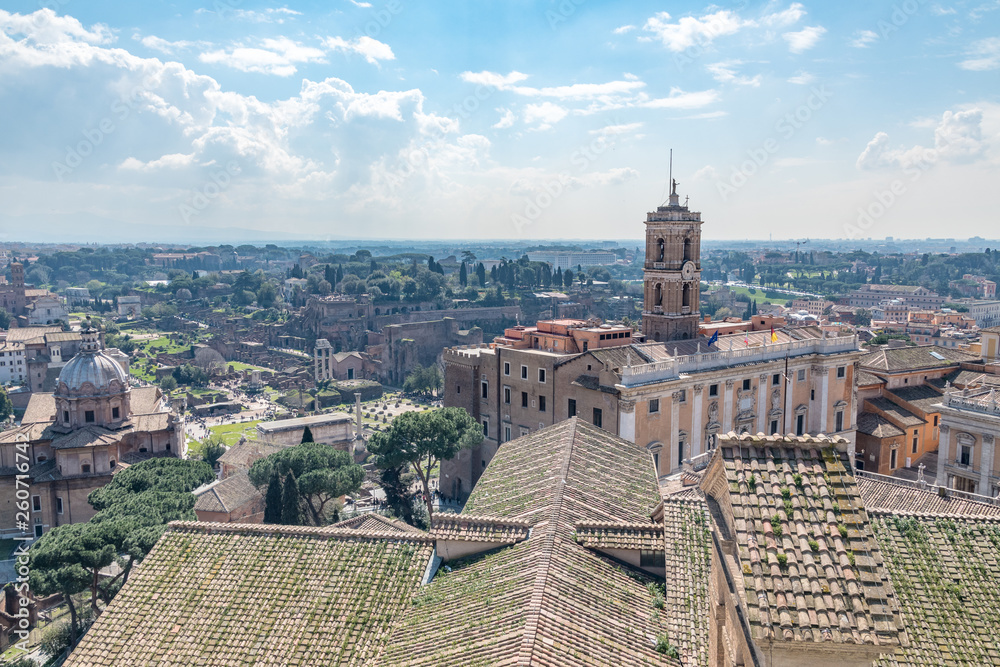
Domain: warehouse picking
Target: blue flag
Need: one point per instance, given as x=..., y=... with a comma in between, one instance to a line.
x=714, y=339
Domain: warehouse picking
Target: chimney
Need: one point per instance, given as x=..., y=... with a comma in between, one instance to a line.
x=357, y=415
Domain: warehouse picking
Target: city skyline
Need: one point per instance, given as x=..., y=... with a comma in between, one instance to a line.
x=505, y=120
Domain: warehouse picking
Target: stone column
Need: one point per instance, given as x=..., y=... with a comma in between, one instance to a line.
x=697, y=427
x=357, y=416
x=626, y=420
x=763, y=389
x=824, y=397
x=675, y=427
x=789, y=397
x=944, y=454
x=986, y=465
x=727, y=407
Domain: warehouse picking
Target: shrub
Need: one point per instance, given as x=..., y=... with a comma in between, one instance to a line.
x=843, y=531
x=814, y=545
x=850, y=558
x=782, y=560
x=664, y=646
x=752, y=482
x=786, y=493
x=797, y=478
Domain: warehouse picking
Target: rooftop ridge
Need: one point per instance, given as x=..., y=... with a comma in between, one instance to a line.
x=482, y=520
x=978, y=518
x=628, y=525
x=211, y=528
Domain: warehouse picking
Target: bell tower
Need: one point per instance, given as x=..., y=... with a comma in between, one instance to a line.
x=672, y=273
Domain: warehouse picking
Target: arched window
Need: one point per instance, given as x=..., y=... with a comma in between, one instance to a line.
x=687, y=249
x=657, y=295
x=686, y=298
x=659, y=250
x=85, y=468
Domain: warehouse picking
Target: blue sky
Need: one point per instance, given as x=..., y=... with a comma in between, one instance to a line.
x=347, y=119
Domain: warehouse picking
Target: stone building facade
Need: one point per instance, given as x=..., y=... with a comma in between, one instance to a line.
x=970, y=428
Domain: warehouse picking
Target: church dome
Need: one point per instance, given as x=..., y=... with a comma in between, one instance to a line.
x=97, y=369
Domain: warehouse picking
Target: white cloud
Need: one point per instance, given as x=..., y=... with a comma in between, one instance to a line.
x=938, y=10
x=678, y=99
x=362, y=5
x=276, y=56
x=706, y=173
x=804, y=39
x=725, y=72
x=371, y=49
x=624, y=128
x=162, y=45
x=621, y=30
x=576, y=91
x=689, y=30
x=801, y=78
x=546, y=114
x=987, y=55
x=506, y=120
x=958, y=138
x=862, y=39
x=785, y=17
x=269, y=15
x=172, y=161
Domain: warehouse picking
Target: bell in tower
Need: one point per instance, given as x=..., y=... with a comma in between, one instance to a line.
x=672, y=272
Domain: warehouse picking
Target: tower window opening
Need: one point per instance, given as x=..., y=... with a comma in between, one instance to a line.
x=659, y=250
x=687, y=249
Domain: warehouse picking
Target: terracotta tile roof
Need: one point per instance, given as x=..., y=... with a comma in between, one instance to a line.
x=479, y=529
x=922, y=397
x=945, y=570
x=688, y=564
x=23, y=334
x=373, y=521
x=866, y=379
x=965, y=378
x=888, y=495
x=878, y=426
x=250, y=594
x=795, y=497
x=546, y=600
x=896, y=412
x=227, y=495
x=611, y=535
x=88, y=436
x=244, y=454
x=145, y=400
x=158, y=421
x=913, y=358
x=41, y=408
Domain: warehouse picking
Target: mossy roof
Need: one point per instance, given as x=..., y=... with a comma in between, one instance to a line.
x=241, y=594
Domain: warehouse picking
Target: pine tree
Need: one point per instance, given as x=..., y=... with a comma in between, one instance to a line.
x=481, y=274
x=307, y=435
x=568, y=278
x=373, y=266
x=290, y=514
x=340, y=272
x=463, y=275
x=430, y=263
x=272, y=501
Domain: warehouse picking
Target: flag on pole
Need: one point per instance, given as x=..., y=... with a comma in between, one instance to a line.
x=746, y=338
x=714, y=339
x=774, y=336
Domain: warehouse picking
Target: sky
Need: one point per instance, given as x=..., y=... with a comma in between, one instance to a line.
x=345, y=119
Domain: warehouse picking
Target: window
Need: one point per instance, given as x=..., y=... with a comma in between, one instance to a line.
x=485, y=389
x=683, y=395
x=839, y=425
x=458, y=389
x=541, y=375
x=66, y=416
x=506, y=368
x=713, y=390
x=541, y=404
x=523, y=431
x=812, y=394
x=892, y=458
x=115, y=413
x=486, y=428
x=36, y=503
x=571, y=408
x=935, y=420
x=524, y=399
x=746, y=385
x=965, y=455
x=598, y=418
x=656, y=463
x=85, y=468
x=680, y=453
x=774, y=426
x=88, y=416
x=776, y=379
x=483, y=462
x=506, y=433
x=524, y=372
x=841, y=371
x=350, y=373
x=59, y=505
x=654, y=405
x=802, y=375
x=649, y=558
x=506, y=395
x=800, y=425
x=915, y=439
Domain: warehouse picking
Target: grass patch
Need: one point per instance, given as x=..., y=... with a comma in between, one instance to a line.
x=240, y=366
x=230, y=433
x=761, y=296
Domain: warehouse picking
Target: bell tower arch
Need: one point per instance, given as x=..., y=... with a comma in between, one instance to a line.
x=672, y=272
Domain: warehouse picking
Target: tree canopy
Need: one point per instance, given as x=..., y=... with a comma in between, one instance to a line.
x=322, y=473
x=422, y=440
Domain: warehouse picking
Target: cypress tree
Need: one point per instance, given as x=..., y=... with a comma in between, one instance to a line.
x=272, y=501
x=290, y=515
x=307, y=435
x=481, y=274
x=463, y=275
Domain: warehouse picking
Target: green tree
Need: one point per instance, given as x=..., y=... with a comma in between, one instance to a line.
x=323, y=474
x=481, y=274
x=397, y=482
x=4, y=319
x=422, y=440
x=272, y=500
x=863, y=317
x=463, y=275
x=6, y=406
x=307, y=435
x=168, y=383
x=423, y=380
x=213, y=450
x=290, y=513
x=267, y=295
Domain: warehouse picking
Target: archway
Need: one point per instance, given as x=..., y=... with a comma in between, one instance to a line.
x=687, y=249
x=659, y=250
x=686, y=295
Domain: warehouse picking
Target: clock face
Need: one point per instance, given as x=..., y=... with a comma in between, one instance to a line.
x=688, y=270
